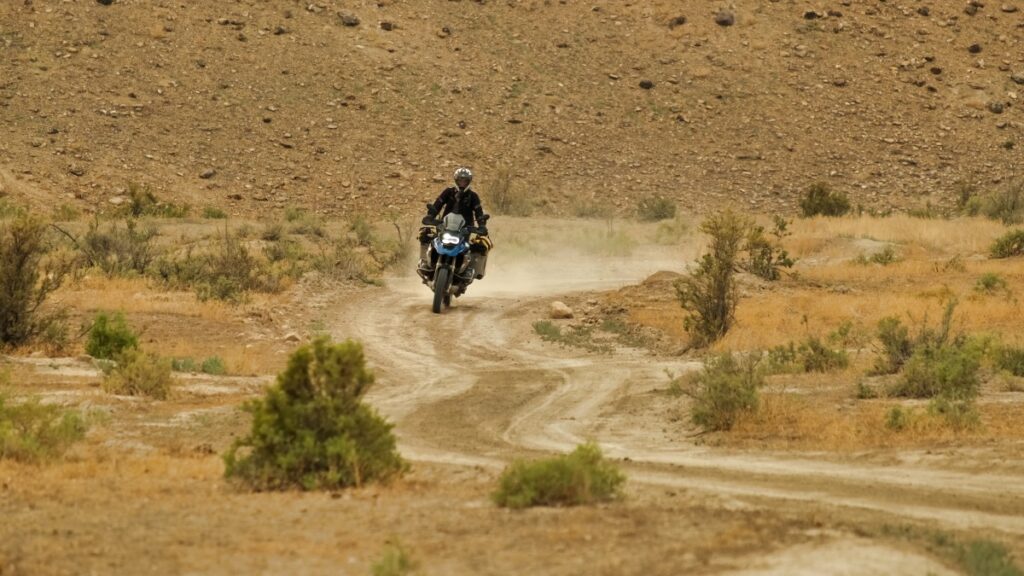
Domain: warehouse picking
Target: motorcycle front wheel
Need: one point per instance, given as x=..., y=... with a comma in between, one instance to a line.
x=440, y=288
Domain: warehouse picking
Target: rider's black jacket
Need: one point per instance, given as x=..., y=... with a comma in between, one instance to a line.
x=465, y=203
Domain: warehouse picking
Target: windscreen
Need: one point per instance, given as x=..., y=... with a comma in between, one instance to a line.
x=454, y=223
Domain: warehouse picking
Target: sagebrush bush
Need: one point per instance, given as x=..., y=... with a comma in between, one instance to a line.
x=35, y=432
x=581, y=477
x=812, y=355
x=765, y=256
x=226, y=270
x=898, y=345
x=505, y=197
x=655, y=209
x=138, y=373
x=818, y=357
x=312, y=431
x=1008, y=245
x=949, y=371
x=990, y=282
x=214, y=366
x=1010, y=359
x=119, y=251
x=143, y=202
x=29, y=272
x=821, y=200
x=1005, y=204
x=214, y=213
x=709, y=293
x=724, y=389
x=395, y=561
x=110, y=335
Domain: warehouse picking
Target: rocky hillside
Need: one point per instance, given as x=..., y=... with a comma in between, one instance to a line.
x=347, y=105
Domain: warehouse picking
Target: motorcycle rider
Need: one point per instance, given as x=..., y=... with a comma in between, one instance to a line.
x=462, y=200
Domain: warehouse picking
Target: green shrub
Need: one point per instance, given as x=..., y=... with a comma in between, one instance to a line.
x=897, y=419
x=582, y=477
x=655, y=208
x=820, y=200
x=865, y=391
x=109, y=336
x=214, y=366
x=959, y=414
x=990, y=282
x=709, y=293
x=184, y=365
x=272, y=232
x=395, y=561
x=817, y=357
x=1008, y=245
x=883, y=257
x=765, y=256
x=139, y=373
x=118, y=251
x=724, y=389
x=214, y=213
x=29, y=272
x=896, y=346
x=312, y=430
x=1005, y=204
x=35, y=432
x=227, y=270
x=143, y=202
x=1011, y=360
x=812, y=355
x=949, y=371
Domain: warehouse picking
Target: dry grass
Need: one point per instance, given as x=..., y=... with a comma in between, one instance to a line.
x=137, y=296
x=810, y=422
x=946, y=237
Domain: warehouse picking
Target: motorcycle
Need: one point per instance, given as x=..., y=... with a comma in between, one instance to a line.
x=456, y=259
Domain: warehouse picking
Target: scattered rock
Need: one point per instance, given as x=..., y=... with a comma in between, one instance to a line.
x=677, y=22
x=117, y=200
x=971, y=10
x=811, y=15
x=646, y=84
x=725, y=18
x=974, y=48
x=280, y=30
x=935, y=70
x=1018, y=78
x=207, y=174
x=105, y=2
x=293, y=337
x=996, y=107
x=840, y=82
x=349, y=20
x=560, y=311
x=444, y=32
x=388, y=26
x=1009, y=8
x=76, y=170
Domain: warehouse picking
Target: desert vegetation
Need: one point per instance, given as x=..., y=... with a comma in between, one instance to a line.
x=580, y=477
x=312, y=430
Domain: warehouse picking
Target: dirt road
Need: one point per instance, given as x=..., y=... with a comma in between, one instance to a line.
x=475, y=386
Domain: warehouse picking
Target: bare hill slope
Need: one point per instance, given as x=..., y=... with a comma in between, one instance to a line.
x=351, y=105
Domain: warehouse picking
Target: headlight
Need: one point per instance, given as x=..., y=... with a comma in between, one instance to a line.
x=447, y=238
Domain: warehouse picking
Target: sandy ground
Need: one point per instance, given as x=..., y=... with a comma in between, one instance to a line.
x=470, y=390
